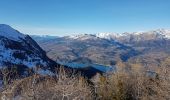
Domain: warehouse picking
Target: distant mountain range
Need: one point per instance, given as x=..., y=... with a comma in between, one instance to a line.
x=149, y=48
x=85, y=49
x=137, y=36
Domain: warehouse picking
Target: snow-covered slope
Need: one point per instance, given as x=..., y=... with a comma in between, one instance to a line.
x=110, y=35
x=165, y=33
x=10, y=33
x=82, y=37
x=160, y=33
x=17, y=49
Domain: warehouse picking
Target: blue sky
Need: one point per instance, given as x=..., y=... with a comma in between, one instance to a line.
x=64, y=17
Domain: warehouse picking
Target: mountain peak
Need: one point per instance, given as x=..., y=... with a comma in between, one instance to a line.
x=82, y=36
x=10, y=33
x=4, y=25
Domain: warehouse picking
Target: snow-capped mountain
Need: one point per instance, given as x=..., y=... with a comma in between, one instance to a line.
x=155, y=34
x=10, y=33
x=81, y=36
x=108, y=35
x=126, y=36
x=17, y=49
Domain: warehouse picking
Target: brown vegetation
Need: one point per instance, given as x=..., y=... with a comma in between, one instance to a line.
x=120, y=85
x=135, y=86
x=39, y=87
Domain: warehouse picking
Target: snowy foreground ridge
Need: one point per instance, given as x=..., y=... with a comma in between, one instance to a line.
x=19, y=50
x=10, y=33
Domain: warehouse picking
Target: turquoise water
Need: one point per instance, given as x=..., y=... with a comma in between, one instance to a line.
x=102, y=68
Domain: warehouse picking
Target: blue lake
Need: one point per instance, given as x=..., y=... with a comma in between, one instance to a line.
x=96, y=66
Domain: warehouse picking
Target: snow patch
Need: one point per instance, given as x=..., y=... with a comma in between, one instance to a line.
x=160, y=32
x=6, y=55
x=10, y=33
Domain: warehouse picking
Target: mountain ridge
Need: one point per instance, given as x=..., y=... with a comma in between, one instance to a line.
x=89, y=48
x=125, y=36
x=21, y=51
